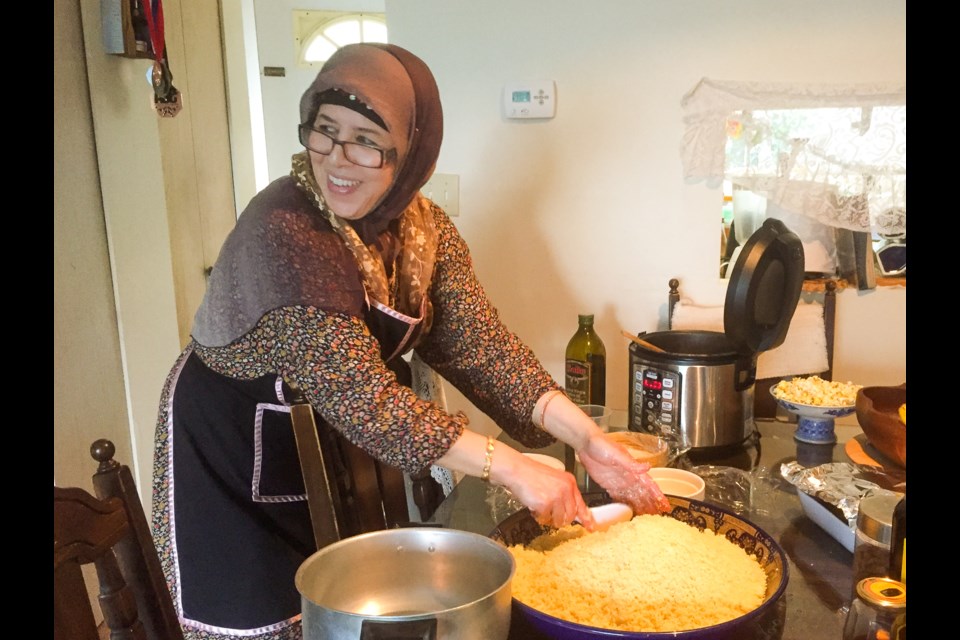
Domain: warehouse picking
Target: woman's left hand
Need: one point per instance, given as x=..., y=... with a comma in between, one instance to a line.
x=625, y=479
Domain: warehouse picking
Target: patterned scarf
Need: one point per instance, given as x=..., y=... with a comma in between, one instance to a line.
x=412, y=251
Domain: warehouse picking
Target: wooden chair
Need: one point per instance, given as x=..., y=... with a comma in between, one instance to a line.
x=110, y=531
x=764, y=405
x=348, y=491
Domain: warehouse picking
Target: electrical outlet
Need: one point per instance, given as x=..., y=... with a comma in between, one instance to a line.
x=444, y=189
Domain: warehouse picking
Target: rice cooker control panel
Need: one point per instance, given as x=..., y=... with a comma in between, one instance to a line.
x=655, y=399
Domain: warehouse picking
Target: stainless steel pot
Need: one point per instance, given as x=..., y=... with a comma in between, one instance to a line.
x=419, y=582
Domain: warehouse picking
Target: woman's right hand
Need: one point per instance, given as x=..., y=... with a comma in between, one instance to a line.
x=551, y=495
x=624, y=478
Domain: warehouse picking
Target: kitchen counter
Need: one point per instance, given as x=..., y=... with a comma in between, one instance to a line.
x=820, y=568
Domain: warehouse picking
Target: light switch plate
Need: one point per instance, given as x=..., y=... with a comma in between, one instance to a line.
x=444, y=189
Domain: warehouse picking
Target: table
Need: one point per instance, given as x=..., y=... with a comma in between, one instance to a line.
x=820, y=568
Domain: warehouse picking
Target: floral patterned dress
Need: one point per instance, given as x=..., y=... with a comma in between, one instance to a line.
x=230, y=516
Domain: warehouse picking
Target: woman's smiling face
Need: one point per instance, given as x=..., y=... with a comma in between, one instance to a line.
x=349, y=189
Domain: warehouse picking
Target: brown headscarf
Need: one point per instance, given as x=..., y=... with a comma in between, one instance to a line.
x=400, y=88
x=272, y=260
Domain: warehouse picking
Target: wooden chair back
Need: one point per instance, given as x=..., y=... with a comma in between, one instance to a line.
x=764, y=405
x=348, y=491
x=110, y=531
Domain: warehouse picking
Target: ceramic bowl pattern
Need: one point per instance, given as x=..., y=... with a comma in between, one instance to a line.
x=521, y=528
x=815, y=423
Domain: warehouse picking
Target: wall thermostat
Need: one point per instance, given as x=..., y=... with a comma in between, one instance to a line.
x=537, y=99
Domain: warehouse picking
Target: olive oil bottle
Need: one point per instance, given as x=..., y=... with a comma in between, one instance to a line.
x=586, y=365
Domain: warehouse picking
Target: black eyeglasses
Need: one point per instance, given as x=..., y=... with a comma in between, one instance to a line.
x=359, y=154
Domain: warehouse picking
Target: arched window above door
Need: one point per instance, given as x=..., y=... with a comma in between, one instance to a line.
x=320, y=33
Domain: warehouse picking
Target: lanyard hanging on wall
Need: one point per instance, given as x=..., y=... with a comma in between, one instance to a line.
x=167, y=100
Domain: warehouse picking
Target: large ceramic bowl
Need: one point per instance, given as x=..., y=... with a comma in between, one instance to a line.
x=879, y=417
x=815, y=423
x=763, y=622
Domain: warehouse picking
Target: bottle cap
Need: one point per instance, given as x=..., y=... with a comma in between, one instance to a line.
x=883, y=593
x=585, y=317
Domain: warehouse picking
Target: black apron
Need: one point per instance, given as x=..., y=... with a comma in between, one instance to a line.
x=240, y=518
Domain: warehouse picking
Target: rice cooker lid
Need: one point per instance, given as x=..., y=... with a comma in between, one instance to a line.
x=764, y=288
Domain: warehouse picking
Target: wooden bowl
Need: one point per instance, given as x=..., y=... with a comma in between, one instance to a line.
x=878, y=415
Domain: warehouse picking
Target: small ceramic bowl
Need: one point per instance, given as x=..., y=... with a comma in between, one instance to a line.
x=879, y=417
x=679, y=482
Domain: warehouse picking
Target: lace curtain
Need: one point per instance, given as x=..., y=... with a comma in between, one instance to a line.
x=834, y=153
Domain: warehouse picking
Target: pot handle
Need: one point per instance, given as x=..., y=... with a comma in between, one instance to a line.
x=399, y=630
x=745, y=371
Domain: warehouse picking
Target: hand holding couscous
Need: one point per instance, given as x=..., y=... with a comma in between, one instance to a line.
x=817, y=392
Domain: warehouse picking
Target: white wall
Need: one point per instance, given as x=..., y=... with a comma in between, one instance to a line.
x=588, y=212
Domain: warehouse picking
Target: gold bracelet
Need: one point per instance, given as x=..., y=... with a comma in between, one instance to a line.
x=487, y=460
x=543, y=412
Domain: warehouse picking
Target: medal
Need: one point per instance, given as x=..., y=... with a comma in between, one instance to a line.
x=170, y=107
x=167, y=101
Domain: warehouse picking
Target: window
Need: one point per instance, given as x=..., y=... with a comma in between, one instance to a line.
x=829, y=161
x=318, y=34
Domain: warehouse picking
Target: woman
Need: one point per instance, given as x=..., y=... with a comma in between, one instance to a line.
x=331, y=274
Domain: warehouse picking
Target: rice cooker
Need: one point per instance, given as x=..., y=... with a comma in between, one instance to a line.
x=700, y=388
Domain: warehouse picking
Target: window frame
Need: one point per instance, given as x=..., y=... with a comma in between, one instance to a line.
x=310, y=25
